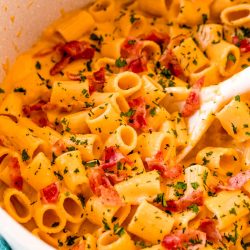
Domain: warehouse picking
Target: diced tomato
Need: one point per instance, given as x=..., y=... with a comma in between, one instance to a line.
x=208, y=226
x=196, y=197
x=243, y=44
x=157, y=163
x=138, y=119
x=50, y=193
x=236, y=182
x=184, y=240
x=170, y=61
x=158, y=37
x=101, y=186
x=15, y=174
x=131, y=48
x=193, y=100
x=112, y=156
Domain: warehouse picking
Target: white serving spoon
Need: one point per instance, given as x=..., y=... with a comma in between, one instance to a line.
x=213, y=98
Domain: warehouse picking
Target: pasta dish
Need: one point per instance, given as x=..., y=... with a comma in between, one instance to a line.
x=126, y=126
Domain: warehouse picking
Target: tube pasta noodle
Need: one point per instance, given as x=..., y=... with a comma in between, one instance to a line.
x=76, y=26
x=102, y=10
x=238, y=15
x=117, y=100
x=103, y=120
x=24, y=139
x=12, y=105
x=89, y=145
x=124, y=137
x=100, y=214
x=71, y=206
x=95, y=117
x=148, y=144
x=231, y=118
x=228, y=58
x=144, y=186
x=39, y=173
x=71, y=163
x=17, y=204
x=49, y=218
x=151, y=230
x=109, y=241
x=126, y=83
x=219, y=160
x=231, y=200
x=69, y=94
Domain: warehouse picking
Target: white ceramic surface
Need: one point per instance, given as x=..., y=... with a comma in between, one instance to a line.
x=21, y=23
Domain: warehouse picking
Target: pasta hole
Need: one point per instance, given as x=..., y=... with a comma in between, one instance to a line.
x=50, y=218
x=127, y=135
x=236, y=15
x=21, y=210
x=127, y=82
x=72, y=207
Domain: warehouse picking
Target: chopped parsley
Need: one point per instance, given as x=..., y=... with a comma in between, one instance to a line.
x=2, y=91
x=118, y=230
x=237, y=98
x=38, y=65
x=234, y=128
x=160, y=198
x=133, y=18
x=204, y=18
x=120, y=62
x=25, y=156
x=194, y=185
x=105, y=224
x=152, y=111
x=194, y=208
x=20, y=90
x=82, y=200
x=231, y=58
x=97, y=38
x=129, y=113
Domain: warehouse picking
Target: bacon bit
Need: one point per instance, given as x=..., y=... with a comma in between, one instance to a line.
x=157, y=163
x=236, y=182
x=27, y=109
x=15, y=174
x=170, y=61
x=137, y=65
x=101, y=186
x=70, y=51
x=59, y=66
x=188, y=240
x=196, y=197
x=243, y=44
x=158, y=37
x=138, y=119
x=50, y=193
x=97, y=80
x=115, y=178
x=208, y=226
x=80, y=246
x=193, y=100
x=73, y=77
x=131, y=48
x=112, y=156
